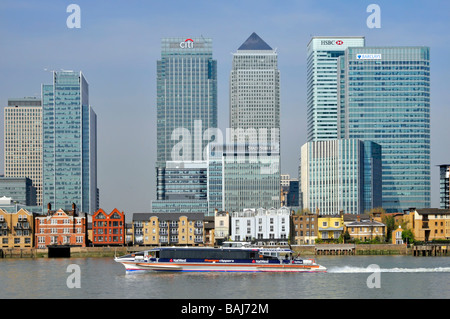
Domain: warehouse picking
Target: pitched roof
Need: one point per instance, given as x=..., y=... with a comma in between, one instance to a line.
x=254, y=42
x=365, y=223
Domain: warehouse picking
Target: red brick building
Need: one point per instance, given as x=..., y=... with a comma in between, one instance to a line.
x=108, y=229
x=61, y=228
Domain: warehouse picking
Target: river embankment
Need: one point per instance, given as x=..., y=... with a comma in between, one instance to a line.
x=302, y=250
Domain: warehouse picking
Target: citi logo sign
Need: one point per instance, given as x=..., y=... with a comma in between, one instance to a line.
x=331, y=42
x=187, y=44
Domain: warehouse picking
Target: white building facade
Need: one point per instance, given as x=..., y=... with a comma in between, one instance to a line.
x=269, y=226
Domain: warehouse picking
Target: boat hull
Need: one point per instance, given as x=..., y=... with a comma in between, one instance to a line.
x=218, y=267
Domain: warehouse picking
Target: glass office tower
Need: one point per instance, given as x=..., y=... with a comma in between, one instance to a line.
x=186, y=101
x=69, y=144
x=240, y=177
x=341, y=174
x=321, y=82
x=182, y=188
x=186, y=98
x=384, y=97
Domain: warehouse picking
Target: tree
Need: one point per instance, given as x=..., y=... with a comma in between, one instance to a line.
x=389, y=221
x=408, y=236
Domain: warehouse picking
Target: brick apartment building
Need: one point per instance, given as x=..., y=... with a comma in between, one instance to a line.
x=61, y=228
x=108, y=229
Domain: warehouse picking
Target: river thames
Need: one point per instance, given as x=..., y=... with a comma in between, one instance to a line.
x=349, y=277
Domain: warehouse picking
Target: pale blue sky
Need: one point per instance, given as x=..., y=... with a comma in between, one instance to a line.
x=119, y=42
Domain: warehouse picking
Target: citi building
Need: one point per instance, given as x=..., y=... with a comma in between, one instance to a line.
x=186, y=101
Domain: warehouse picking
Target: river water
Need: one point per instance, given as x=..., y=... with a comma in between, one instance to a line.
x=349, y=277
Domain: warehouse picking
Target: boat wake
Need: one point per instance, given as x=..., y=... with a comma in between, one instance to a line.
x=371, y=269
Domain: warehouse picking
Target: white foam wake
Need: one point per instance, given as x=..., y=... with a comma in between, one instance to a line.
x=371, y=269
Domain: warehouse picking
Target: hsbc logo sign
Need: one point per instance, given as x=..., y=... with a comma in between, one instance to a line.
x=187, y=44
x=331, y=42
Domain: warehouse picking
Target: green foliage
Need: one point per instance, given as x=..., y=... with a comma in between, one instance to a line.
x=389, y=221
x=408, y=236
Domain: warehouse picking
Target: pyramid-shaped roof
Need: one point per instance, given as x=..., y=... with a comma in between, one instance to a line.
x=254, y=42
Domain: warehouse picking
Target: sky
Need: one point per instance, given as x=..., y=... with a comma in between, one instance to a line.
x=119, y=42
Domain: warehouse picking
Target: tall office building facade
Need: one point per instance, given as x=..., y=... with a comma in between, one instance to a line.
x=245, y=172
x=239, y=177
x=444, y=189
x=341, y=174
x=23, y=141
x=384, y=97
x=69, y=144
x=186, y=98
x=322, y=55
x=19, y=189
x=255, y=94
x=182, y=187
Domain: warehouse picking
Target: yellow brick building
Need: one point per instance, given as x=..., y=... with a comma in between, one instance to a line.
x=366, y=229
x=16, y=229
x=429, y=223
x=156, y=229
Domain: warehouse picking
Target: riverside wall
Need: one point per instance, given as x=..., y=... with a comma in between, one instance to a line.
x=302, y=250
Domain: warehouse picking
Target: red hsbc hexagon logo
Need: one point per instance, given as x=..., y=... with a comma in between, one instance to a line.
x=339, y=42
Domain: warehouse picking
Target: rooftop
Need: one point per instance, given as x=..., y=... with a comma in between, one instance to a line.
x=254, y=42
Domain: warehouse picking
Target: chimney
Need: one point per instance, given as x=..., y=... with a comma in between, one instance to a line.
x=49, y=208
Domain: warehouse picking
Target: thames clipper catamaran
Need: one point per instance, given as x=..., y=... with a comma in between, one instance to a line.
x=228, y=258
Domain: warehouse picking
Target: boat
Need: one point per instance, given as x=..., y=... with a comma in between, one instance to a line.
x=219, y=259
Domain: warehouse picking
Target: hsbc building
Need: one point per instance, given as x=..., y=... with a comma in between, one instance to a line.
x=334, y=43
x=322, y=55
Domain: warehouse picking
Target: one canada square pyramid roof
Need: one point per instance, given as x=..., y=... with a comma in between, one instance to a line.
x=254, y=42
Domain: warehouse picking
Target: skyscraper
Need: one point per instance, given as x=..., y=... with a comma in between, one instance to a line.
x=255, y=94
x=186, y=97
x=186, y=100
x=341, y=174
x=23, y=141
x=384, y=97
x=240, y=177
x=245, y=172
x=69, y=144
x=322, y=56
